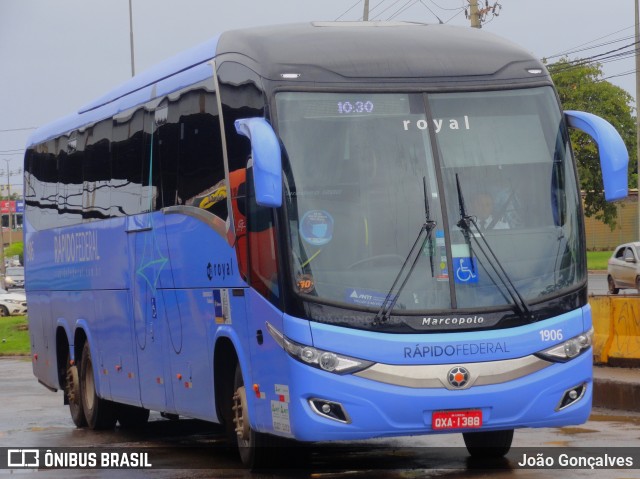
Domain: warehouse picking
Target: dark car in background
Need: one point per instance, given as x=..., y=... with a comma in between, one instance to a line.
x=623, y=268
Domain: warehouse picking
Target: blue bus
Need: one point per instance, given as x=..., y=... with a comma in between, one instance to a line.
x=318, y=232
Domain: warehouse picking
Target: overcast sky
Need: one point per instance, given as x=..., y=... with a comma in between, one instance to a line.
x=57, y=55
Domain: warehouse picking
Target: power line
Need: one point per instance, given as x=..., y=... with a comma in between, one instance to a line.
x=19, y=129
x=432, y=12
x=377, y=5
x=600, y=58
x=623, y=74
x=599, y=45
x=406, y=6
x=451, y=18
x=591, y=41
x=389, y=7
x=348, y=10
x=443, y=8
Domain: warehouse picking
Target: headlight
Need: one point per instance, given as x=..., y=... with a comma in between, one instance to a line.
x=569, y=349
x=13, y=301
x=318, y=358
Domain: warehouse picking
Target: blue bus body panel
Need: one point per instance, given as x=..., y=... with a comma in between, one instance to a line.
x=444, y=348
x=148, y=311
x=379, y=409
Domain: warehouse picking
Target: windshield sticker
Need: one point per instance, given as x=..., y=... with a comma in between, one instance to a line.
x=364, y=297
x=466, y=270
x=443, y=271
x=305, y=283
x=438, y=124
x=316, y=227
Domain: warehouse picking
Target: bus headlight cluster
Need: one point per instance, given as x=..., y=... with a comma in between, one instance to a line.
x=568, y=349
x=318, y=358
x=325, y=360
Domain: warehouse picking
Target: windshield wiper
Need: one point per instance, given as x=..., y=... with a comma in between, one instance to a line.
x=465, y=223
x=426, y=229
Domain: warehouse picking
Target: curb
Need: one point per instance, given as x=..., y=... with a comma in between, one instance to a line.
x=616, y=388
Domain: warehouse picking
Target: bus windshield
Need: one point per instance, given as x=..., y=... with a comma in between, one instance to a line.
x=364, y=172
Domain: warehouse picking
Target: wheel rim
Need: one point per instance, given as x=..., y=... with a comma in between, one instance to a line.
x=73, y=385
x=240, y=416
x=89, y=386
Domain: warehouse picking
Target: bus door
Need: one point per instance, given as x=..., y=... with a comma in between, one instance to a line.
x=268, y=367
x=148, y=271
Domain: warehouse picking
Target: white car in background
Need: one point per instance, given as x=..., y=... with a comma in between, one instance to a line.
x=12, y=304
x=14, y=277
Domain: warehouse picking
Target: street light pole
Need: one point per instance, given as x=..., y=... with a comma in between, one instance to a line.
x=133, y=68
x=637, y=49
x=8, y=196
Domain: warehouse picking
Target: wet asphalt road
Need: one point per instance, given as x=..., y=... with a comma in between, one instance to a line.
x=32, y=416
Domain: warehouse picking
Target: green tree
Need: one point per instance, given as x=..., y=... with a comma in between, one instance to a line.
x=581, y=87
x=15, y=249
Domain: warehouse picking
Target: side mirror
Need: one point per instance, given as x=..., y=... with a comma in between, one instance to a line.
x=614, y=158
x=629, y=259
x=267, y=160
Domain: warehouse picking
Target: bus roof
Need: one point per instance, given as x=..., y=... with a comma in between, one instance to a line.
x=323, y=52
x=375, y=50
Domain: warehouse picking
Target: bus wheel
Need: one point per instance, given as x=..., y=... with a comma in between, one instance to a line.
x=73, y=395
x=257, y=450
x=132, y=417
x=488, y=444
x=99, y=413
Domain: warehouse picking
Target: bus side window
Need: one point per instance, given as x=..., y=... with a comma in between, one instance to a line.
x=242, y=96
x=262, y=245
x=255, y=236
x=194, y=126
x=96, y=172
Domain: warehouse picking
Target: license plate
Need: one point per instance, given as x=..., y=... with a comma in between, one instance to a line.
x=469, y=419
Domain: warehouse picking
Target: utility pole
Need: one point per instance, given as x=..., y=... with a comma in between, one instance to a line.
x=8, y=196
x=365, y=14
x=133, y=68
x=474, y=14
x=637, y=39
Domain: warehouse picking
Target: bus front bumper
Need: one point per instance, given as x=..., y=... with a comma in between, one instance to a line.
x=361, y=408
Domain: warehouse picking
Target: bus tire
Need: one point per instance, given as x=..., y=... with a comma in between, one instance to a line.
x=132, y=417
x=73, y=395
x=257, y=450
x=99, y=413
x=488, y=444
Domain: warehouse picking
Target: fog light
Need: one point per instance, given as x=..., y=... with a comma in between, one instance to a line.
x=571, y=396
x=330, y=410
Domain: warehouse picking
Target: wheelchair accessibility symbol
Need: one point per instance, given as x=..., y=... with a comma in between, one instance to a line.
x=466, y=270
